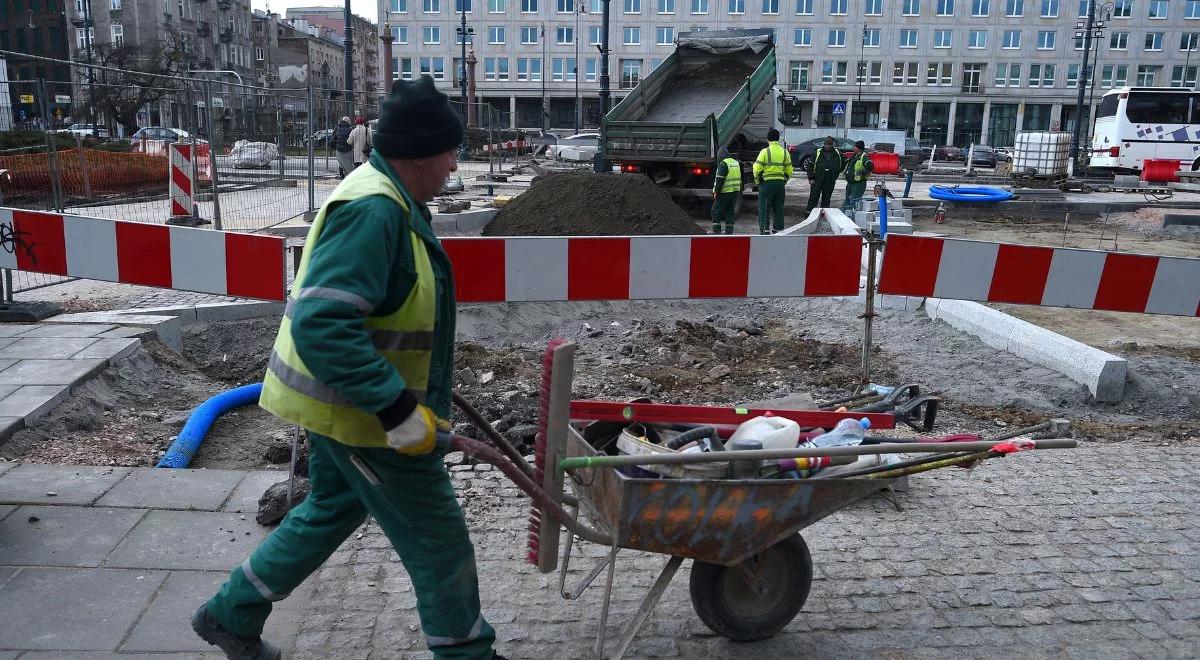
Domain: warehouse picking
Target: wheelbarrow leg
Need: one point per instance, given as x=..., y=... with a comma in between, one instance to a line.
x=643, y=613
x=612, y=563
x=578, y=589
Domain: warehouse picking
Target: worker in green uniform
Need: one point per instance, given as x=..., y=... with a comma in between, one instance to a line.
x=363, y=361
x=823, y=171
x=858, y=169
x=772, y=169
x=727, y=189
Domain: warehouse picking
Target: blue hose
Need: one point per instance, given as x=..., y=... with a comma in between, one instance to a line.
x=969, y=194
x=187, y=443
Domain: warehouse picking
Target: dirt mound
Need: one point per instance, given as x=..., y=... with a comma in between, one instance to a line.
x=589, y=204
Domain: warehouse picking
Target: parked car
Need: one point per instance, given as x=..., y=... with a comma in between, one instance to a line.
x=537, y=136
x=913, y=147
x=982, y=156
x=320, y=139
x=1003, y=154
x=803, y=152
x=580, y=148
x=87, y=130
x=154, y=139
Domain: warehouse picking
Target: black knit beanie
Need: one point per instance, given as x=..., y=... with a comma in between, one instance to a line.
x=416, y=121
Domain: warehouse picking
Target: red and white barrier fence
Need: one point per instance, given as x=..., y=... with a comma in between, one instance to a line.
x=653, y=267
x=507, y=145
x=180, y=180
x=203, y=260
x=1029, y=275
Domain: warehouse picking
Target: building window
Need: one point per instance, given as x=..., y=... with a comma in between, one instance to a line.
x=665, y=36
x=1182, y=78
x=905, y=73
x=489, y=68
x=699, y=6
x=945, y=7
x=1122, y=8
x=406, y=68
x=563, y=69
x=116, y=4
x=528, y=6
x=259, y=56
x=977, y=39
x=1189, y=41
x=1154, y=41
x=939, y=74
x=462, y=6
x=564, y=6
x=837, y=7
x=529, y=34
x=400, y=34
x=589, y=69
x=837, y=38
x=798, y=78
x=431, y=7
x=633, y=6
x=666, y=6
x=942, y=38
x=981, y=7
x=910, y=8
x=564, y=36
x=833, y=73
x=1191, y=9
x=770, y=7
x=873, y=7
x=595, y=35
x=908, y=38
x=1046, y=39
x=434, y=67
x=1050, y=8
x=496, y=34
x=118, y=34
x=871, y=38
x=1012, y=39
x=802, y=37
x=1119, y=41
x=1014, y=8
x=401, y=7
x=631, y=73
x=805, y=7
x=1073, y=76
x=1158, y=9
x=736, y=6
x=869, y=73
x=1041, y=75
x=495, y=6
x=1114, y=75
x=1146, y=73
x=529, y=68
x=1084, y=5
x=431, y=34
x=83, y=36
x=631, y=36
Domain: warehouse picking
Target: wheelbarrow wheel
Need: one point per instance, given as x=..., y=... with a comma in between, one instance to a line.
x=732, y=607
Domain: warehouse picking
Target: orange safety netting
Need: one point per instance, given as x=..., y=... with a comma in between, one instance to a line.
x=107, y=173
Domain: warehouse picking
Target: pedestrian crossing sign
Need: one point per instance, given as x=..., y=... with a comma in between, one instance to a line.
x=839, y=108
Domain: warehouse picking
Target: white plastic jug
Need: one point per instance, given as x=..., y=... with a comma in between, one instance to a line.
x=773, y=432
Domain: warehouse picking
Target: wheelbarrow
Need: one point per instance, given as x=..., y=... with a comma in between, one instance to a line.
x=751, y=569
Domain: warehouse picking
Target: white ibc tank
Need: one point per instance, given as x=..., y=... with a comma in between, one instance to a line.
x=1041, y=152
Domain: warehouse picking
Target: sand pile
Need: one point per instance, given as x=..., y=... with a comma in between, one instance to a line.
x=589, y=204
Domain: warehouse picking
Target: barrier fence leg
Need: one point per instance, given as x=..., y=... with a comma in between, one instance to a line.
x=56, y=189
x=868, y=315
x=312, y=182
x=212, y=156
x=83, y=167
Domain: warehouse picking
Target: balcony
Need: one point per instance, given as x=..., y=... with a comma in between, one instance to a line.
x=226, y=35
x=203, y=29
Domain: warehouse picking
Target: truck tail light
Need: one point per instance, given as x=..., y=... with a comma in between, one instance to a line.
x=1114, y=152
x=699, y=171
x=630, y=168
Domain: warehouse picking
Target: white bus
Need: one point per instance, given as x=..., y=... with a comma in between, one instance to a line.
x=1134, y=124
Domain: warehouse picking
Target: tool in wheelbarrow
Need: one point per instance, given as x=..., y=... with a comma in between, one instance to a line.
x=905, y=402
x=751, y=570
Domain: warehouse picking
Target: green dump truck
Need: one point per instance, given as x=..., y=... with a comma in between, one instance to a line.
x=708, y=94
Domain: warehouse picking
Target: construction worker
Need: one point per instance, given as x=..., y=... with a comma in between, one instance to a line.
x=727, y=190
x=857, y=170
x=363, y=361
x=823, y=170
x=772, y=169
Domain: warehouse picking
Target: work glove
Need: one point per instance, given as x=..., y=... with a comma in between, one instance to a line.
x=411, y=428
x=714, y=195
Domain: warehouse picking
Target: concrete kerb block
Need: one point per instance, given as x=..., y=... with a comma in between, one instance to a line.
x=1102, y=373
x=840, y=223
x=476, y=219
x=168, y=329
x=805, y=226
x=237, y=311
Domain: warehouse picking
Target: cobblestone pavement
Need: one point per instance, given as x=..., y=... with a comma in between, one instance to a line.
x=1089, y=553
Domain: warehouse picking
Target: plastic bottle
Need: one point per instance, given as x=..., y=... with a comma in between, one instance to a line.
x=846, y=433
x=773, y=432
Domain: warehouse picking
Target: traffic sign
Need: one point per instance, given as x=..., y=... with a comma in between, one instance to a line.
x=62, y=98
x=27, y=98
x=839, y=108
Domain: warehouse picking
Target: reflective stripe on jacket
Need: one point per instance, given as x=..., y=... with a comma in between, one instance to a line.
x=773, y=164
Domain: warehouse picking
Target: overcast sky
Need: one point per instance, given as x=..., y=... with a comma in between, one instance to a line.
x=368, y=9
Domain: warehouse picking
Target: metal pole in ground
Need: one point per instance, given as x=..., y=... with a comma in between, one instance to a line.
x=312, y=182
x=212, y=154
x=868, y=314
x=83, y=167
x=279, y=130
x=55, y=172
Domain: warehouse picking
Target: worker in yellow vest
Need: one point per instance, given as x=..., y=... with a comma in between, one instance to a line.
x=858, y=169
x=727, y=189
x=772, y=170
x=364, y=360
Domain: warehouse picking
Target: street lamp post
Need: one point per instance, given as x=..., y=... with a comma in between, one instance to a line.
x=579, y=7
x=545, y=103
x=464, y=35
x=862, y=73
x=1087, y=27
x=348, y=44
x=605, y=93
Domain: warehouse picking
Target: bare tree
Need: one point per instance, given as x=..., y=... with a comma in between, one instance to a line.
x=149, y=72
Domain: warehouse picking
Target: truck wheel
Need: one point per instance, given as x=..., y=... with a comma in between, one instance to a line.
x=732, y=608
x=1196, y=165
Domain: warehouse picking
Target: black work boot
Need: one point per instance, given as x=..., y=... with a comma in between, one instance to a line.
x=234, y=646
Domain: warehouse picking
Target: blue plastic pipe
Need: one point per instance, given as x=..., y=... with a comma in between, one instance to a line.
x=969, y=194
x=883, y=216
x=187, y=443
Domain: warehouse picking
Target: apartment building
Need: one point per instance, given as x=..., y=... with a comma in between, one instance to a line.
x=949, y=71
x=38, y=29
x=365, y=47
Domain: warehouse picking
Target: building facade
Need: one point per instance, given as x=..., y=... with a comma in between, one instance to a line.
x=948, y=71
x=39, y=29
x=365, y=49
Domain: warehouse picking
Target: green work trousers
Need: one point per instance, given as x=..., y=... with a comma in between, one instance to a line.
x=770, y=203
x=820, y=190
x=724, y=209
x=413, y=501
x=854, y=192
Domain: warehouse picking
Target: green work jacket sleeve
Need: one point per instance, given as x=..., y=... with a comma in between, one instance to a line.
x=359, y=255
x=722, y=174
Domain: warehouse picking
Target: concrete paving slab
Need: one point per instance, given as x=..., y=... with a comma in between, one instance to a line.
x=5, y=390
x=16, y=329
x=50, y=372
x=46, y=348
x=63, y=535
x=113, y=349
x=188, y=540
x=165, y=627
x=6, y=363
x=161, y=488
x=168, y=329
x=72, y=484
x=71, y=609
x=104, y=655
x=67, y=330
x=245, y=497
x=7, y=572
x=9, y=426
x=32, y=402
x=6, y=509
x=118, y=333
x=5, y=466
